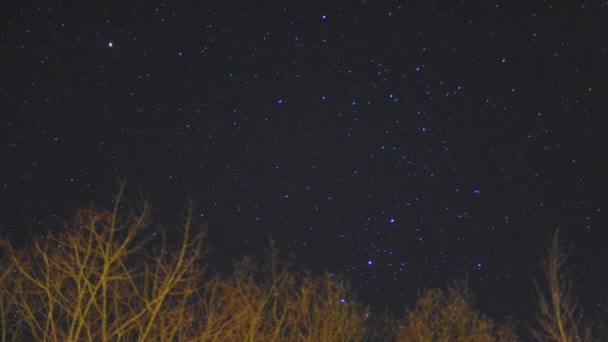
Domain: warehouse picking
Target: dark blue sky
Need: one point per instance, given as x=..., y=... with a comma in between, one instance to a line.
x=400, y=144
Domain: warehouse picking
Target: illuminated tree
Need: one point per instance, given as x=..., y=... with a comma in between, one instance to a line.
x=449, y=316
x=99, y=280
x=109, y=277
x=557, y=316
x=10, y=320
x=267, y=302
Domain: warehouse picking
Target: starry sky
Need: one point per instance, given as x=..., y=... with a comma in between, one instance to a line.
x=400, y=144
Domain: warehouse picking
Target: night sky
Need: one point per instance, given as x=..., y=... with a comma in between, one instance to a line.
x=399, y=144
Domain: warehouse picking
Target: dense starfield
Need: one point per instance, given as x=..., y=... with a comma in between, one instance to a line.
x=399, y=144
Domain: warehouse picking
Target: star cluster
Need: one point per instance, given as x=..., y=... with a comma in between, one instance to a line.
x=398, y=144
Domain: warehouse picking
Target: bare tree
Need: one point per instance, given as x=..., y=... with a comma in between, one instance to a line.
x=449, y=316
x=557, y=315
x=109, y=277
x=268, y=302
x=10, y=320
x=99, y=279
